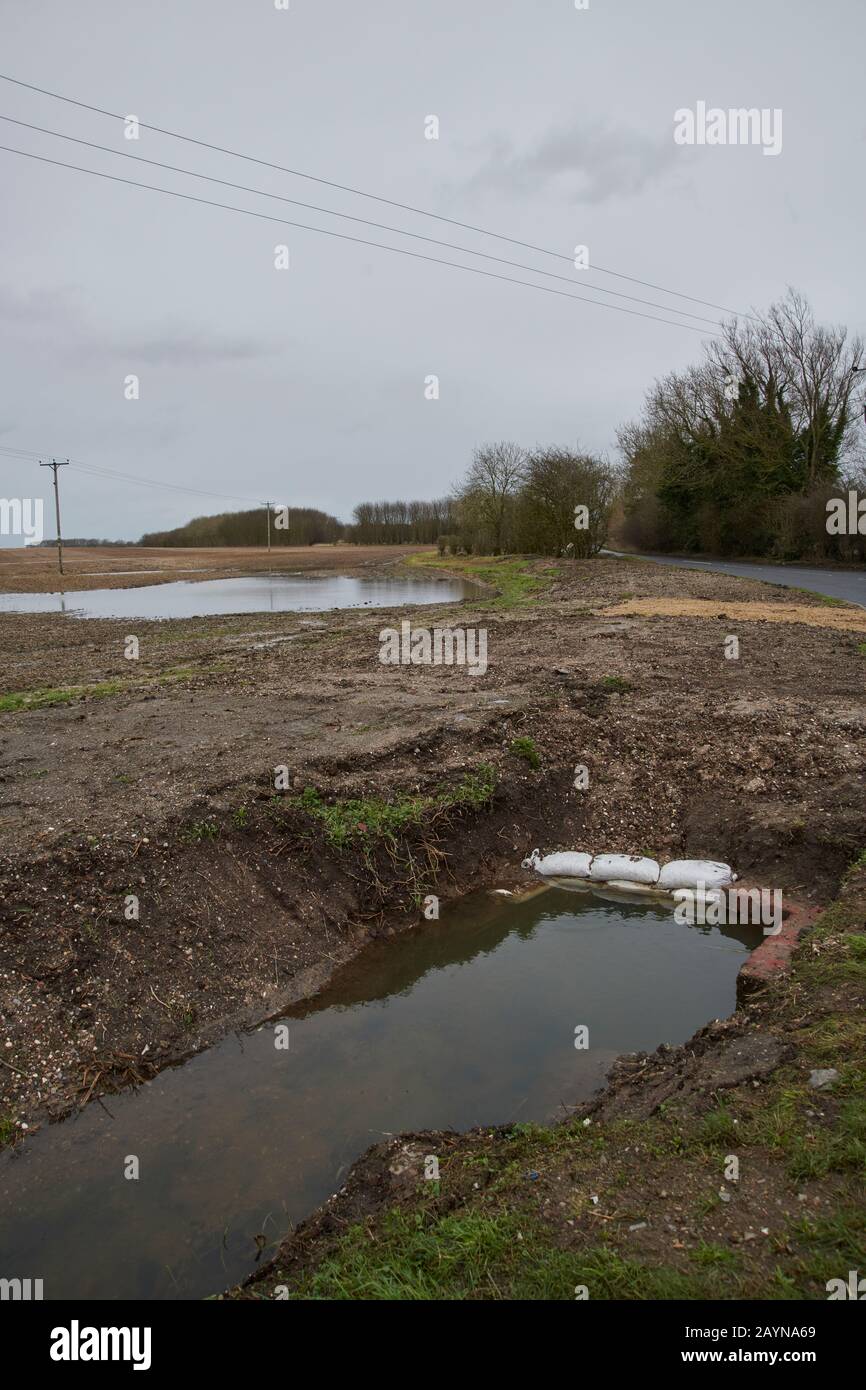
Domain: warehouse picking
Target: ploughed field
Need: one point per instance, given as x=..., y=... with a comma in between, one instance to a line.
x=35, y=570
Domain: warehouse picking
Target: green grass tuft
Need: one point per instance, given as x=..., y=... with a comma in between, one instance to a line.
x=525, y=748
x=199, y=830
x=371, y=819
x=63, y=695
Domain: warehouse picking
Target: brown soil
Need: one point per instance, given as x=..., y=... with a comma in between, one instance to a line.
x=163, y=790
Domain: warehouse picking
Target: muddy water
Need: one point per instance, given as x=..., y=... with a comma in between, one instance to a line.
x=467, y=1021
x=261, y=593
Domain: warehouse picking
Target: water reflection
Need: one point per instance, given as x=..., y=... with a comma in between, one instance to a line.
x=263, y=593
x=466, y=1021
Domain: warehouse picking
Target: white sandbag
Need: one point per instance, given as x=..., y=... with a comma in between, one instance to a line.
x=627, y=868
x=688, y=873
x=566, y=864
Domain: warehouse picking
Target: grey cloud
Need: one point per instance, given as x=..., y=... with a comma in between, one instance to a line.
x=588, y=162
x=29, y=308
x=173, y=346
x=195, y=350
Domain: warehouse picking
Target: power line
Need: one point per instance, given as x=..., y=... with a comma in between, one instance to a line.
x=346, y=216
x=109, y=473
x=361, y=241
x=28, y=456
x=361, y=193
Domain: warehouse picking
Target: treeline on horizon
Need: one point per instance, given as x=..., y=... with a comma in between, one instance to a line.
x=307, y=526
x=92, y=541
x=402, y=523
x=737, y=455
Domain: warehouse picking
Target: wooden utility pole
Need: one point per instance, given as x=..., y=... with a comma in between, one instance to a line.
x=55, y=464
x=267, y=506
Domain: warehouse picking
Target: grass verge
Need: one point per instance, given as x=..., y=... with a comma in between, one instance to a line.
x=516, y=582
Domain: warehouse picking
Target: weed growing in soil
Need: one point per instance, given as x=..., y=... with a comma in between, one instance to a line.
x=373, y=819
x=41, y=699
x=200, y=830
x=64, y=695
x=402, y=833
x=525, y=748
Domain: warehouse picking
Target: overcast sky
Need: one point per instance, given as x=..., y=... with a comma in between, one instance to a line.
x=307, y=386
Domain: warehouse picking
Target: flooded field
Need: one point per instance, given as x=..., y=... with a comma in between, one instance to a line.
x=261, y=593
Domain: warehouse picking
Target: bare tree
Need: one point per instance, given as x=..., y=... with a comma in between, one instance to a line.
x=566, y=502
x=488, y=494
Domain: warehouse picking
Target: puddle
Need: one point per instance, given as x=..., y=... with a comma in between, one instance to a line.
x=264, y=593
x=467, y=1021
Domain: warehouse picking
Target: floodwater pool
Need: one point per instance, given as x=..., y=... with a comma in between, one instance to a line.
x=261, y=593
x=469, y=1020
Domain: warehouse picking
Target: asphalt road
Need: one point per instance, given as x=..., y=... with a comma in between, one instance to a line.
x=846, y=584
